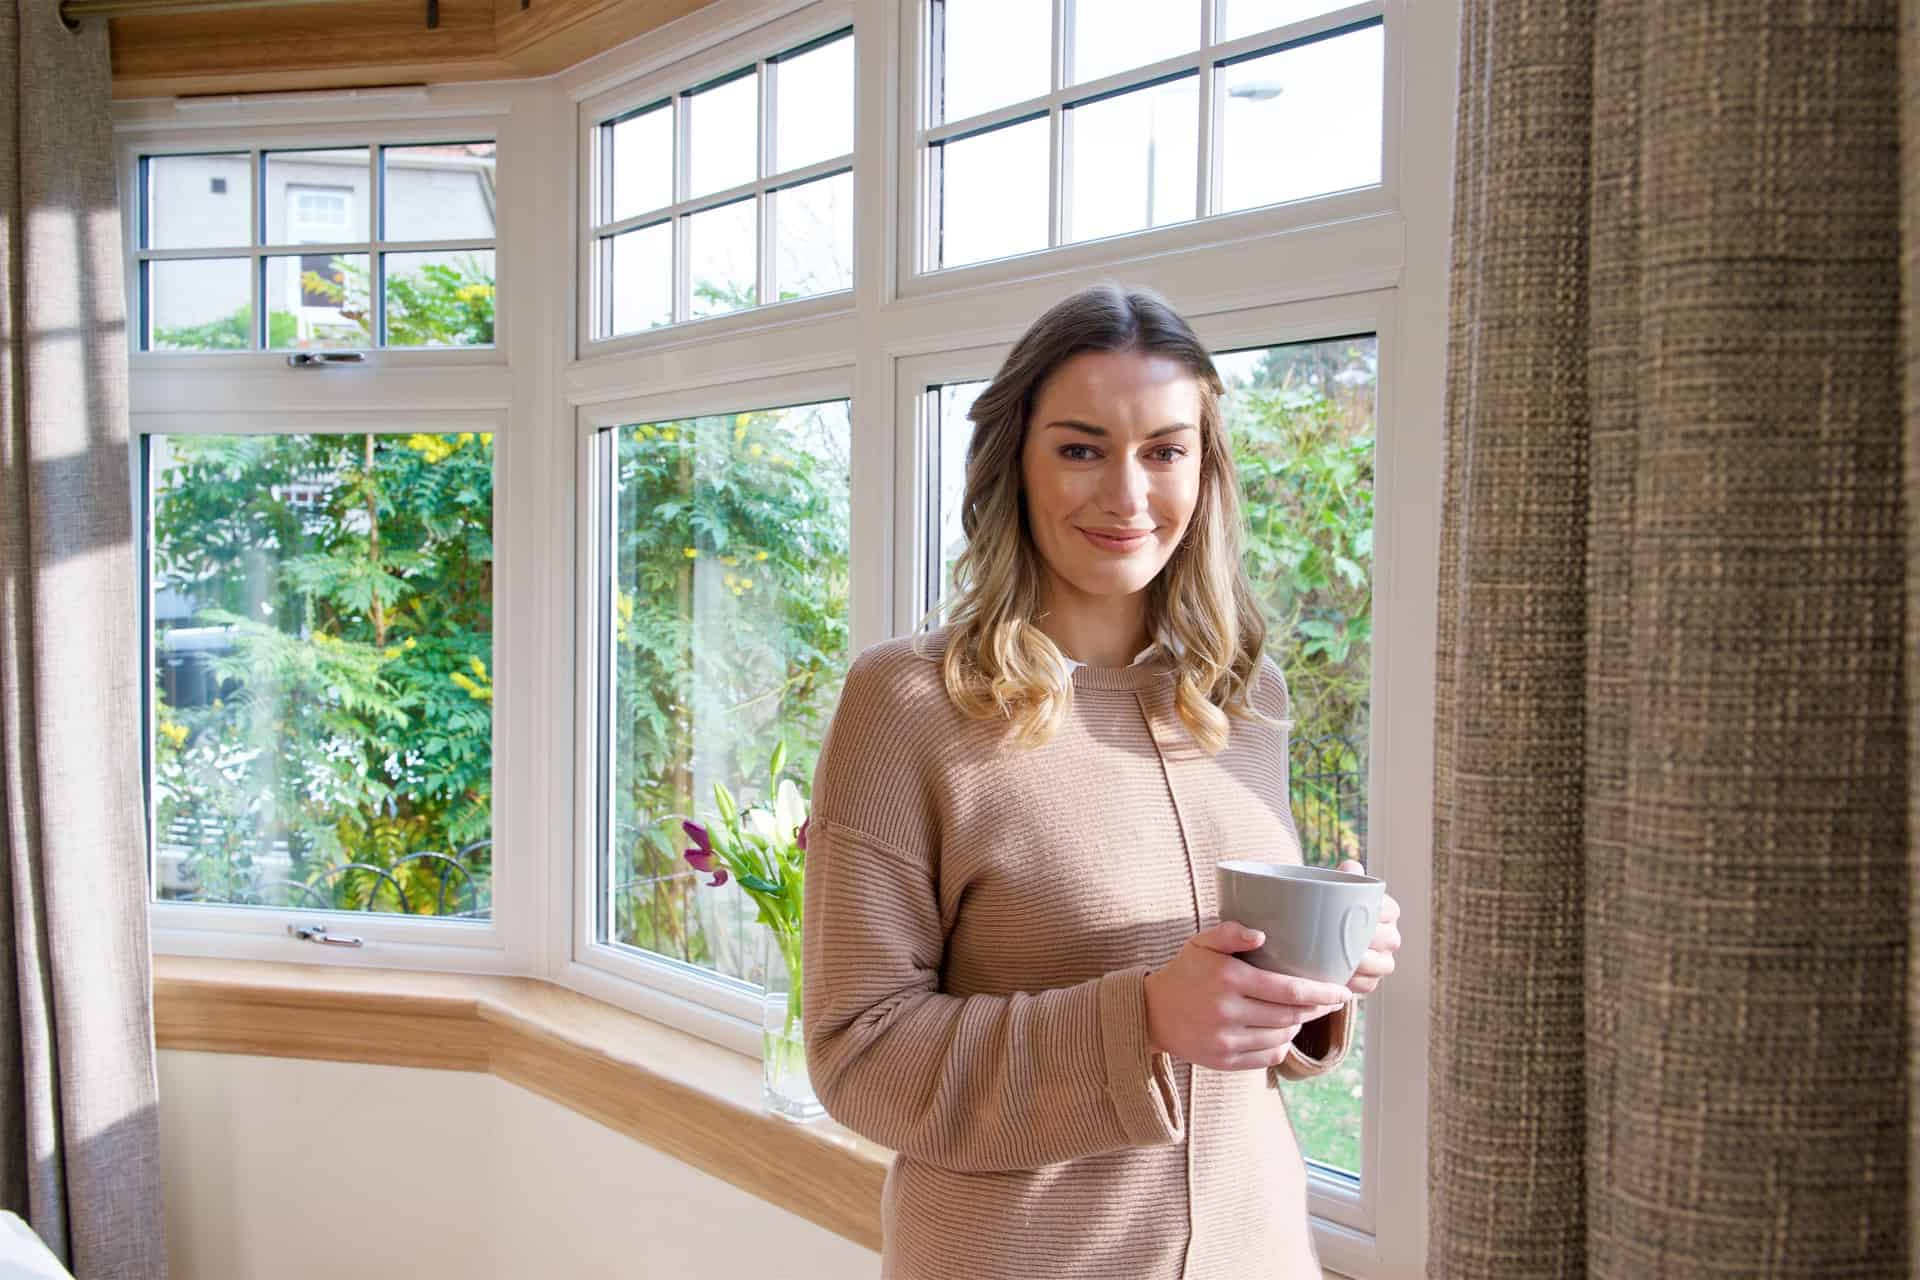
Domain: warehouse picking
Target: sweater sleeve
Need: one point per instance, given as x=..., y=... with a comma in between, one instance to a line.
x=1320, y=1047
x=981, y=1083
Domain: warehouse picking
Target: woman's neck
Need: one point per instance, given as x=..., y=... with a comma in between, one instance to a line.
x=1099, y=631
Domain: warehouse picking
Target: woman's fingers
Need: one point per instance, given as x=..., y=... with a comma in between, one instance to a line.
x=1260, y=1014
x=1281, y=988
x=1254, y=1044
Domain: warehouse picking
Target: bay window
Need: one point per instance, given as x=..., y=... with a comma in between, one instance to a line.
x=627, y=407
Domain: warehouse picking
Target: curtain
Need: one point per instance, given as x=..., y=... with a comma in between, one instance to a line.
x=79, y=1156
x=1671, y=1017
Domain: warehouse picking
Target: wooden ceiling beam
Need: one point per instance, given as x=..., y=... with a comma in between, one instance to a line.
x=375, y=43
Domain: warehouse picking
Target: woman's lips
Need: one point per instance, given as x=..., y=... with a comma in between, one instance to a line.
x=1106, y=543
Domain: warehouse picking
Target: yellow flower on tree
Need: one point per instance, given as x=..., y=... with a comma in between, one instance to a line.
x=432, y=448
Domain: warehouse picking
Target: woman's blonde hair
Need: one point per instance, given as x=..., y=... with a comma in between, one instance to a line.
x=1200, y=608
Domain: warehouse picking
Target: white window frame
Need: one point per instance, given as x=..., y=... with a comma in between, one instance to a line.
x=916, y=275
x=706, y=1003
x=192, y=127
x=1377, y=259
x=395, y=390
x=668, y=85
x=1349, y=1213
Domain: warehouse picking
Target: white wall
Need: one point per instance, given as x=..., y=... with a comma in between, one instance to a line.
x=294, y=1169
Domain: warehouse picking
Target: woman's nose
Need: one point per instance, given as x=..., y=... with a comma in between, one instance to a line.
x=1123, y=485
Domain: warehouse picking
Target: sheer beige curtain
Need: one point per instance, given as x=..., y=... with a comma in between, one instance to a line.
x=1670, y=1031
x=78, y=1127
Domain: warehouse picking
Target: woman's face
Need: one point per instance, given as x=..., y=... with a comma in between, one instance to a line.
x=1111, y=468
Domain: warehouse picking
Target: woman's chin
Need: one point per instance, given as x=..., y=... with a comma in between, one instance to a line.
x=1115, y=579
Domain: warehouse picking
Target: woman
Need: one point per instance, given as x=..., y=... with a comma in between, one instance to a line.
x=1015, y=973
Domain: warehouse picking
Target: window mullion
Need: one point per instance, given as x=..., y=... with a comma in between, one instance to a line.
x=763, y=286
x=376, y=234
x=1057, y=157
x=1205, y=161
x=682, y=183
x=257, y=277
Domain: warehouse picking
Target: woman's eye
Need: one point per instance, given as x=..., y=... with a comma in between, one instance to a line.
x=1171, y=452
x=1067, y=452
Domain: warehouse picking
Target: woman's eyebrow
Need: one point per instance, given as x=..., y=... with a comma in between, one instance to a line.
x=1087, y=428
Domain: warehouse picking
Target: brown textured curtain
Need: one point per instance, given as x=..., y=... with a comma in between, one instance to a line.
x=78, y=1124
x=1670, y=1028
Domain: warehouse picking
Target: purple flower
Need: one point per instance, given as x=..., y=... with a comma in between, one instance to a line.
x=800, y=834
x=697, y=834
x=719, y=878
x=700, y=859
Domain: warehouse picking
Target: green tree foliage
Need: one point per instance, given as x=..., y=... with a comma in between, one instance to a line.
x=349, y=580
x=444, y=304
x=1303, y=435
x=730, y=633
x=229, y=333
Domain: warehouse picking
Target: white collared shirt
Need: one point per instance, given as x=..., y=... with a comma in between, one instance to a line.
x=1153, y=646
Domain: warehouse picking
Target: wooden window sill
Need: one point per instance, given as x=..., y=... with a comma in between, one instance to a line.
x=691, y=1099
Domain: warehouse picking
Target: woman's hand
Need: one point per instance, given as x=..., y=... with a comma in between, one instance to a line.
x=1218, y=1011
x=1378, y=962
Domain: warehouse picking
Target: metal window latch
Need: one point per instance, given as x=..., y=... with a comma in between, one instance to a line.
x=318, y=933
x=320, y=359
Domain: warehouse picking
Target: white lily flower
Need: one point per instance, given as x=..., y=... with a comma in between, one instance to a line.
x=789, y=809
x=760, y=823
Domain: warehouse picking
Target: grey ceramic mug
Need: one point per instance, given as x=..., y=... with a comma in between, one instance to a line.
x=1318, y=922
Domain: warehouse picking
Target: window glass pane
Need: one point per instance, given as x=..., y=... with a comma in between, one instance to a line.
x=1117, y=35
x=813, y=229
x=813, y=105
x=200, y=304
x=640, y=161
x=642, y=277
x=322, y=667
x=1303, y=121
x=995, y=52
x=953, y=433
x=1244, y=17
x=993, y=194
x=1134, y=159
x=723, y=258
x=723, y=135
x=199, y=202
x=317, y=197
x=318, y=301
x=442, y=192
x=1302, y=421
x=727, y=636
x=440, y=299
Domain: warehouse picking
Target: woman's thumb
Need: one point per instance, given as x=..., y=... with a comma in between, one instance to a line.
x=1229, y=937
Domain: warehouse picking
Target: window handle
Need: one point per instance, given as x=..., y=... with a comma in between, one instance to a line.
x=318, y=359
x=318, y=933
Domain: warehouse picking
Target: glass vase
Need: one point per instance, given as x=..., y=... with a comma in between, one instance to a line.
x=783, y=1051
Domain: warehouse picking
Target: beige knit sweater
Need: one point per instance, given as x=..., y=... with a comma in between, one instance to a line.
x=980, y=921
